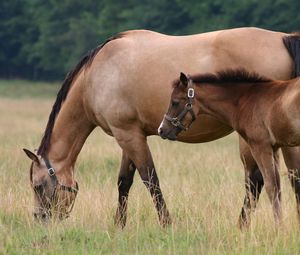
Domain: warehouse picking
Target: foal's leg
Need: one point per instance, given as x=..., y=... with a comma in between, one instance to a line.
x=291, y=157
x=253, y=183
x=135, y=145
x=125, y=180
x=267, y=161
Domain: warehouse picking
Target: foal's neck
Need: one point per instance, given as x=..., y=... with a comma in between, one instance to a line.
x=221, y=101
x=70, y=131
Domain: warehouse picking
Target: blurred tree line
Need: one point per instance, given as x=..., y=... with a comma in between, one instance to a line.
x=45, y=39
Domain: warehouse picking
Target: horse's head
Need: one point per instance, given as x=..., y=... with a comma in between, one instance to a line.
x=182, y=109
x=54, y=193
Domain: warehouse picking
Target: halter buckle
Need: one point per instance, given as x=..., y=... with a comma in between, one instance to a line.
x=175, y=122
x=51, y=171
x=191, y=93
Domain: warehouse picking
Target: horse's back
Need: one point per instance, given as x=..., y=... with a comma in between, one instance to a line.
x=257, y=50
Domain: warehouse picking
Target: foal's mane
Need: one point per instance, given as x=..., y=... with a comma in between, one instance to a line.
x=238, y=76
x=230, y=75
x=63, y=92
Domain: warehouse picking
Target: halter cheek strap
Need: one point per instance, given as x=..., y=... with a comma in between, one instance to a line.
x=56, y=183
x=176, y=121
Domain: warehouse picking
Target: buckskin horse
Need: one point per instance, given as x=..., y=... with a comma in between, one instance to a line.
x=123, y=87
x=264, y=112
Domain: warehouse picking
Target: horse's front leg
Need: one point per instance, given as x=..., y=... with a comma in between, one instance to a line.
x=125, y=180
x=134, y=144
x=291, y=157
x=253, y=183
x=267, y=161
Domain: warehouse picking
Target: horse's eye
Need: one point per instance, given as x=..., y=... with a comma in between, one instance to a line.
x=175, y=102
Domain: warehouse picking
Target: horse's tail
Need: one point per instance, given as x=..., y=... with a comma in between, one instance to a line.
x=292, y=43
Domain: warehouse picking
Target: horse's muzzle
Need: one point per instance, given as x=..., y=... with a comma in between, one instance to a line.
x=171, y=135
x=41, y=216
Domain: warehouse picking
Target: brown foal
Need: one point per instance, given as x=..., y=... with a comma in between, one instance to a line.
x=264, y=112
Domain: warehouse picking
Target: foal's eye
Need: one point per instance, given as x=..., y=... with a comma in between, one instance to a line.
x=175, y=102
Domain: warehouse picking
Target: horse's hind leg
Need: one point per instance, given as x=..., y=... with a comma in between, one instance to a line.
x=125, y=180
x=135, y=145
x=291, y=157
x=266, y=158
x=253, y=184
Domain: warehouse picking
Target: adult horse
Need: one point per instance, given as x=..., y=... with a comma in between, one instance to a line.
x=118, y=86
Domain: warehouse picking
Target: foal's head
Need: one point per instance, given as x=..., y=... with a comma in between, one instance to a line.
x=51, y=197
x=182, y=109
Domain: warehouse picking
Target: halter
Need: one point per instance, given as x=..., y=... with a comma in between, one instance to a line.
x=56, y=183
x=176, y=121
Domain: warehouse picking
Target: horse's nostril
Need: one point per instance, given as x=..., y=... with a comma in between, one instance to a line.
x=161, y=133
x=40, y=216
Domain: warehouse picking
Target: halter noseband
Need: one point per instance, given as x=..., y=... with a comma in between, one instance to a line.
x=56, y=183
x=176, y=121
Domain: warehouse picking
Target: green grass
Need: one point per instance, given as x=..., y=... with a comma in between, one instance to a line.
x=27, y=89
x=202, y=185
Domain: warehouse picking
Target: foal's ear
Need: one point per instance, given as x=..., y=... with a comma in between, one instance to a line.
x=184, y=79
x=32, y=156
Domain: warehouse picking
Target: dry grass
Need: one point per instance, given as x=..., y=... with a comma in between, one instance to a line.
x=202, y=184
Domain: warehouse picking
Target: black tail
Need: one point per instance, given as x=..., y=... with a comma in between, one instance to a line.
x=292, y=43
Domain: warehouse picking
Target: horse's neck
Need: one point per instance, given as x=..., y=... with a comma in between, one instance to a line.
x=70, y=131
x=219, y=102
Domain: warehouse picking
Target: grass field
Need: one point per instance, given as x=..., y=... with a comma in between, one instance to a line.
x=202, y=185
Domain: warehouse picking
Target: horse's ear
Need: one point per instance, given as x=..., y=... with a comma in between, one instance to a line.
x=32, y=156
x=183, y=79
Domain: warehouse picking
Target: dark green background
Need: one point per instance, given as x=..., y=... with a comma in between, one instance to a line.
x=44, y=39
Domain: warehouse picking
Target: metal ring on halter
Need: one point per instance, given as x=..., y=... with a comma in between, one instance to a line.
x=191, y=93
x=188, y=106
x=51, y=171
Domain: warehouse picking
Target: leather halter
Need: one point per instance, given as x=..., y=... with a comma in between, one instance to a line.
x=56, y=184
x=176, y=121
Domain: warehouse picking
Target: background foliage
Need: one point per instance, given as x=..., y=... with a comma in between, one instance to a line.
x=45, y=39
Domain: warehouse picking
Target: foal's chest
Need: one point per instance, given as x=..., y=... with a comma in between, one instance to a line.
x=285, y=126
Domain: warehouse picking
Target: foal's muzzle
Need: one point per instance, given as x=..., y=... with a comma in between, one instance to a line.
x=169, y=133
x=177, y=121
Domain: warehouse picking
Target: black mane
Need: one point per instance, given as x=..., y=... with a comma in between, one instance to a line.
x=63, y=92
x=227, y=76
